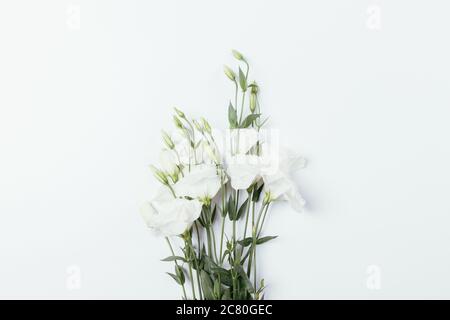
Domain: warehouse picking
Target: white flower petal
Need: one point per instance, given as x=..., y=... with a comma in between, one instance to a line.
x=243, y=170
x=295, y=200
x=277, y=184
x=202, y=181
x=171, y=216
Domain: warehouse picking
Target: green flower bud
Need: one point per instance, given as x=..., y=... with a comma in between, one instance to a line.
x=159, y=175
x=229, y=73
x=206, y=125
x=254, y=87
x=175, y=175
x=267, y=198
x=252, y=102
x=180, y=113
x=211, y=152
x=167, y=140
x=177, y=122
x=237, y=55
x=197, y=125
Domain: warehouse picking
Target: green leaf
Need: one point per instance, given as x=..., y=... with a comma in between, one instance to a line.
x=208, y=263
x=257, y=193
x=265, y=239
x=231, y=208
x=217, y=287
x=242, y=80
x=232, y=116
x=224, y=211
x=240, y=271
x=174, y=258
x=242, y=209
x=213, y=215
x=174, y=277
x=207, y=286
x=249, y=120
x=226, y=294
x=246, y=242
x=224, y=275
x=180, y=274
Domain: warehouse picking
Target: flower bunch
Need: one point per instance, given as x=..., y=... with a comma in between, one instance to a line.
x=216, y=194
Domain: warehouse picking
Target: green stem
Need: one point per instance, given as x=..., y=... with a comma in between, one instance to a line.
x=249, y=201
x=264, y=218
x=254, y=266
x=192, y=281
x=221, y=239
x=223, y=215
x=176, y=263
x=213, y=236
x=253, y=247
x=235, y=94
x=196, y=268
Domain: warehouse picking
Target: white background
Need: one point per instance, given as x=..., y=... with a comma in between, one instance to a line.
x=83, y=98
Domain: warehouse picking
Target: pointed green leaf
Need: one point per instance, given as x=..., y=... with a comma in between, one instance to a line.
x=257, y=193
x=174, y=277
x=224, y=275
x=242, y=209
x=174, y=258
x=226, y=295
x=207, y=286
x=232, y=116
x=217, y=286
x=249, y=120
x=180, y=274
x=213, y=215
x=265, y=239
x=246, y=242
x=240, y=271
x=231, y=208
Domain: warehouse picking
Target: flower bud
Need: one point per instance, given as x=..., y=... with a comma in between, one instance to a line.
x=211, y=152
x=229, y=246
x=252, y=102
x=237, y=55
x=229, y=73
x=206, y=125
x=254, y=87
x=167, y=140
x=197, y=125
x=175, y=175
x=177, y=122
x=267, y=198
x=180, y=113
x=161, y=176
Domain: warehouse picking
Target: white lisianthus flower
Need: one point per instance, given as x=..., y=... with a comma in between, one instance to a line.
x=202, y=182
x=170, y=216
x=279, y=184
x=243, y=170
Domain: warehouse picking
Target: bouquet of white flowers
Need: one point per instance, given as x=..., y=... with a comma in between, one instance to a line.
x=216, y=193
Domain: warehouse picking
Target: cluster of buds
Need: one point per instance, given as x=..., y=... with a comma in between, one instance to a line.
x=160, y=175
x=163, y=177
